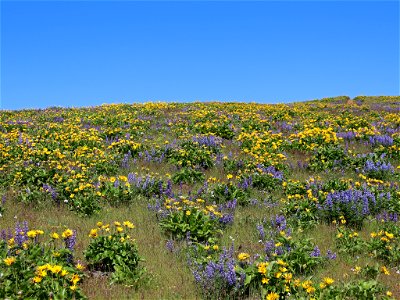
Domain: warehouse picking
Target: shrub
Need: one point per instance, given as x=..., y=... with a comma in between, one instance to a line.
x=32, y=268
x=113, y=250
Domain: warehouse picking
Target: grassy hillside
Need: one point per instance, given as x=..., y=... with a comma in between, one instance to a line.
x=202, y=200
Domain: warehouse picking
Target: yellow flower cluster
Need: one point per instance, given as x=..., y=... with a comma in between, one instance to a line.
x=188, y=205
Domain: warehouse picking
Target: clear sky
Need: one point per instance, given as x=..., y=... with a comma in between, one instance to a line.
x=84, y=53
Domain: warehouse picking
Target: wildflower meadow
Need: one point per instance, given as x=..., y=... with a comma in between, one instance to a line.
x=202, y=201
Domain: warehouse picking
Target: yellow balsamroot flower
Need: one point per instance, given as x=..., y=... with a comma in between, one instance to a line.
x=264, y=280
x=215, y=247
x=272, y=296
x=63, y=273
x=129, y=224
x=306, y=284
x=288, y=277
x=93, y=233
x=262, y=267
x=37, y=279
x=120, y=229
x=75, y=278
x=243, y=256
x=80, y=266
x=328, y=280
x=99, y=224
x=41, y=273
x=188, y=212
x=31, y=234
x=281, y=262
x=55, y=235
x=73, y=287
x=117, y=223
x=384, y=270
x=389, y=235
x=9, y=260
x=67, y=233
x=55, y=269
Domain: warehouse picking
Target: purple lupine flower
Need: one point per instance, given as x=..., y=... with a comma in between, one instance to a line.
x=330, y=255
x=316, y=252
x=3, y=235
x=170, y=245
x=20, y=234
x=70, y=241
x=279, y=223
x=261, y=231
x=347, y=135
x=384, y=140
x=269, y=247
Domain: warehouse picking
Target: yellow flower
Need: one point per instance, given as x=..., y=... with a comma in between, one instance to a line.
x=229, y=176
x=31, y=233
x=272, y=296
x=75, y=278
x=129, y=224
x=73, y=287
x=262, y=267
x=93, y=233
x=56, y=269
x=9, y=260
x=215, y=247
x=328, y=280
x=117, y=223
x=310, y=290
x=265, y=280
x=99, y=224
x=63, y=273
x=389, y=294
x=67, y=233
x=389, y=235
x=281, y=262
x=243, y=256
x=37, y=279
x=188, y=212
x=384, y=270
x=55, y=235
x=120, y=229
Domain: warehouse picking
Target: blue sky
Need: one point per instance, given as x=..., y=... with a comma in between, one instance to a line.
x=84, y=53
